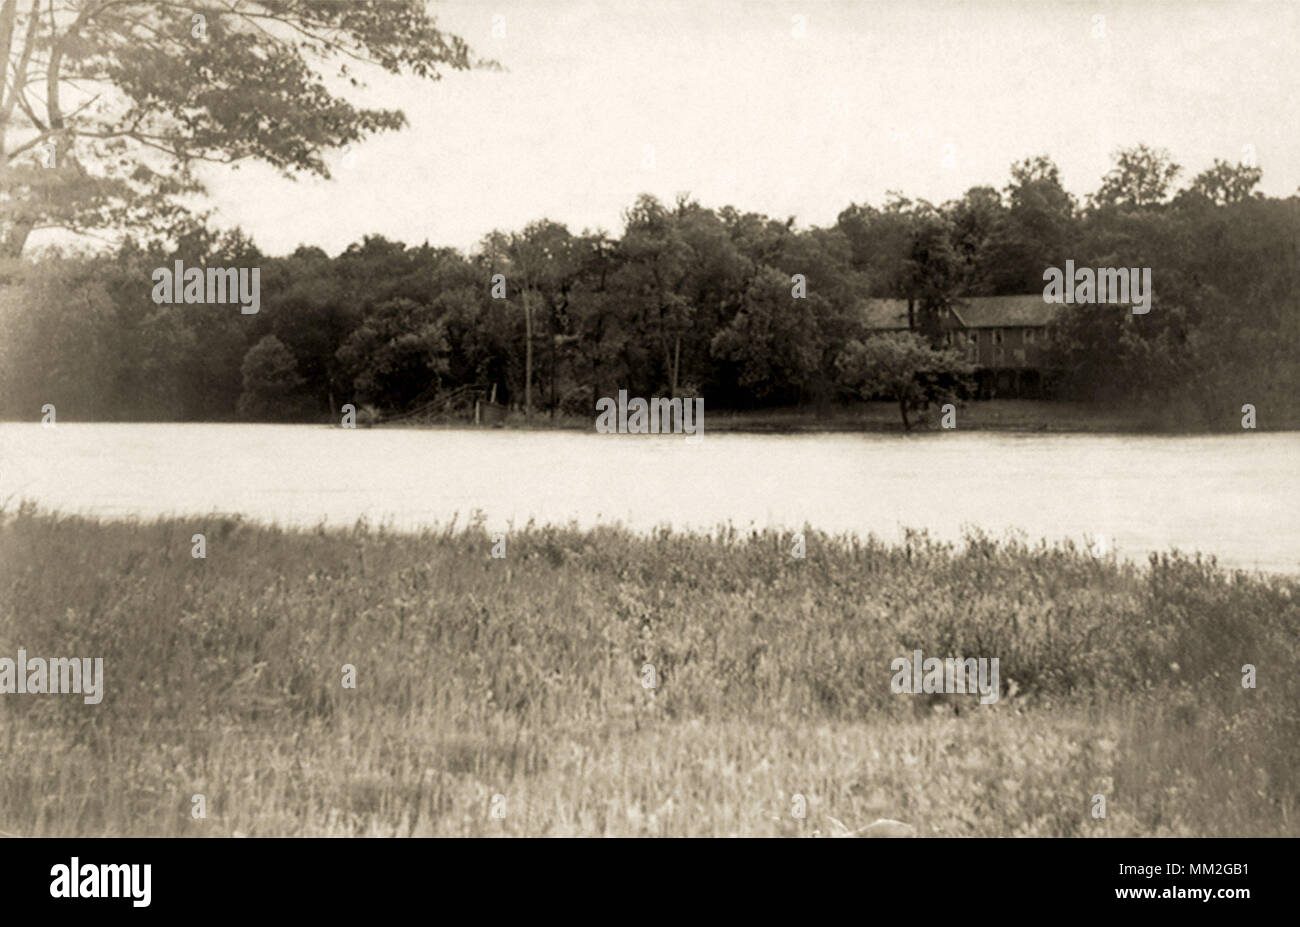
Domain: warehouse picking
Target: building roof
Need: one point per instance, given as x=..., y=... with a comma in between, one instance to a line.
x=972, y=312
x=1004, y=311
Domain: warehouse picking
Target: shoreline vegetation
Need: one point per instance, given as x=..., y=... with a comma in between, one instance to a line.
x=741, y=309
x=998, y=415
x=992, y=415
x=507, y=696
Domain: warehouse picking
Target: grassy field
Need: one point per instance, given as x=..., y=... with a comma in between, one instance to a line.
x=514, y=685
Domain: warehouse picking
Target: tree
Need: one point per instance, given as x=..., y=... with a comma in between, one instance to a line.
x=974, y=219
x=541, y=264
x=775, y=342
x=902, y=367
x=932, y=271
x=600, y=320
x=1037, y=229
x=880, y=241
x=714, y=286
x=1140, y=178
x=657, y=259
x=271, y=381
x=550, y=259
x=305, y=306
x=832, y=308
x=397, y=357
x=66, y=356
x=107, y=105
x=1224, y=183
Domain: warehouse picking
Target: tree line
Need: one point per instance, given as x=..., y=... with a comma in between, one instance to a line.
x=744, y=309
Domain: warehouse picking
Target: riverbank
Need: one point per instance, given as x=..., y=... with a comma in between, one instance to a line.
x=600, y=682
x=999, y=415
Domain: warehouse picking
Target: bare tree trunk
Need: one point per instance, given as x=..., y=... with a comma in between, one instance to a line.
x=7, y=17
x=902, y=407
x=16, y=80
x=550, y=331
x=528, y=357
x=677, y=367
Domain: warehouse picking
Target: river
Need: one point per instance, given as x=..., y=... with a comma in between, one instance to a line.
x=1235, y=496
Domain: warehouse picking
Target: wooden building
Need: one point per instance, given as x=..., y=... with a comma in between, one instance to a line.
x=1004, y=336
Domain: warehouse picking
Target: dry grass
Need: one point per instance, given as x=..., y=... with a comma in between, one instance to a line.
x=521, y=677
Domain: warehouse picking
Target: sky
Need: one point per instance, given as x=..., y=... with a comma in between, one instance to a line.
x=785, y=108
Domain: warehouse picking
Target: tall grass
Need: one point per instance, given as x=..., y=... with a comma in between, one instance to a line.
x=522, y=678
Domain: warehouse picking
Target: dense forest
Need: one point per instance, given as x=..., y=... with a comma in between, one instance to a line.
x=688, y=301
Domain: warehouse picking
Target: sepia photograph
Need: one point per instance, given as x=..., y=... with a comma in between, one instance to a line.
x=649, y=418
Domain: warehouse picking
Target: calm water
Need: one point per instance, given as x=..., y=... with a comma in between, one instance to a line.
x=1236, y=496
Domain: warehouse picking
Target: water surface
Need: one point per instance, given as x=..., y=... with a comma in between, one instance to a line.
x=1235, y=496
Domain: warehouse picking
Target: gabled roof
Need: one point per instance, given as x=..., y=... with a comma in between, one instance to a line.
x=972, y=312
x=1005, y=311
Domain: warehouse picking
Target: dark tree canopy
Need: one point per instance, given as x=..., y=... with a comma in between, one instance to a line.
x=744, y=309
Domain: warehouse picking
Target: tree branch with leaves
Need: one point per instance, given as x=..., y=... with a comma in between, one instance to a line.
x=107, y=105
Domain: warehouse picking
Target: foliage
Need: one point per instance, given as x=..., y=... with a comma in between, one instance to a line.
x=902, y=367
x=1140, y=178
x=397, y=355
x=271, y=381
x=108, y=104
x=687, y=300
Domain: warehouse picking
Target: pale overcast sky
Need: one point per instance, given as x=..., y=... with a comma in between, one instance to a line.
x=924, y=97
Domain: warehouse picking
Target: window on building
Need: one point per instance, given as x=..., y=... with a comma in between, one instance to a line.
x=1029, y=336
x=997, y=336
